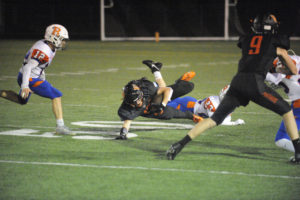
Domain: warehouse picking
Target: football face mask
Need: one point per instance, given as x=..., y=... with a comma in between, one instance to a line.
x=264, y=24
x=133, y=95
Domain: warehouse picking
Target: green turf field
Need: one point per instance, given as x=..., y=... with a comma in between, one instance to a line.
x=240, y=162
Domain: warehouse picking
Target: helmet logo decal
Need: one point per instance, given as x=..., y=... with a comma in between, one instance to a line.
x=274, y=18
x=56, y=30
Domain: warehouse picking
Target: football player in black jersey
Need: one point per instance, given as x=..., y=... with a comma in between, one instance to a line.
x=149, y=99
x=259, y=49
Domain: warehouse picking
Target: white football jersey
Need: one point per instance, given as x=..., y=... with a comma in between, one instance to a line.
x=43, y=54
x=206, y=107
x=291, y=83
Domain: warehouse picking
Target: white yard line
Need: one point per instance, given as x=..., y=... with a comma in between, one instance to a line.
x=151, y=169
x=116, y=69
x=104, y=106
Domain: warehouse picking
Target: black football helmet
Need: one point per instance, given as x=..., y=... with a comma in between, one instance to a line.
x=264, y=24
x=132, y=95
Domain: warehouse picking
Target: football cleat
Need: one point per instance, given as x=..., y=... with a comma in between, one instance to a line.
x=63, y=130
x=188, y=76
x=295, y=160
x=174, y=150
x=197, y=118
x=152, y=65
x=121, y=137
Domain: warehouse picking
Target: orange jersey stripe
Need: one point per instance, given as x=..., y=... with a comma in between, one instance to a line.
x=296, y=104
x=191, y=104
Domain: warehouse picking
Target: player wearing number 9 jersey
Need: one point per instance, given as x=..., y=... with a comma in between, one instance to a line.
x=259, y=49
x=32, y=79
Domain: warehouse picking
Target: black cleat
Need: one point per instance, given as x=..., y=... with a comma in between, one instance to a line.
x=174, y=150
x=152, y=65
x=295, y=159
x=121, y=137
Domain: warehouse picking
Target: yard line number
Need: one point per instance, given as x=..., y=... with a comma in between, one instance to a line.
x=98, y=132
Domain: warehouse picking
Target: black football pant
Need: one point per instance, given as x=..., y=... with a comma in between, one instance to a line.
x=170, y=113
x=246, y=87
x=181, y=88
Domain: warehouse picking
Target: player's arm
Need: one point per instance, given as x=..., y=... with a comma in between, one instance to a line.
x=126, y=125
x=161, y=99
x=124, y=130
x=25, y=78
x=286, y=60
x=166, y=92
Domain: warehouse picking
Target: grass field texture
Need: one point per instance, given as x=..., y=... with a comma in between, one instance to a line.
x=240, y=162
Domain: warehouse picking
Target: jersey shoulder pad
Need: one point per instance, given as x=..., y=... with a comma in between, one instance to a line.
x=39, y=56
x=41, y=52
x=283, y=41
x=125, y=112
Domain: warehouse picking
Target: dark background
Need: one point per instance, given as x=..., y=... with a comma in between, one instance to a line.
x=128, y=18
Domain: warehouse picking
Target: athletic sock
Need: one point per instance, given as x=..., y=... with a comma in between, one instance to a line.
x=157, y=75
x=296, y=144
x=60, y=122
x=185, y=140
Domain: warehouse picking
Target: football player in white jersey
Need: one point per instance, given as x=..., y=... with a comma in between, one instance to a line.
x=204, y=107
x=32, y=78
x=291, y=86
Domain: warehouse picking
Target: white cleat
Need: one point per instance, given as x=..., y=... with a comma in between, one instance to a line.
x=63, y=130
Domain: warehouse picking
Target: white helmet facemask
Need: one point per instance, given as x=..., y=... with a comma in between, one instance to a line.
x=57, y=34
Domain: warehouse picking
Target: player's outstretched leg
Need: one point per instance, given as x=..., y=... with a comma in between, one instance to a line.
x=197, y=118
x=121, y=137
x=12, y=96
x=154, y=66
x=296, y=159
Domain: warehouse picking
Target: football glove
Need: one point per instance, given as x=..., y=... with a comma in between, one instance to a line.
x=157, y=109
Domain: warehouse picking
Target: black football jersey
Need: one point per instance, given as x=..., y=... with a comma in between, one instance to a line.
x=259, y=51
x=127, y=112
